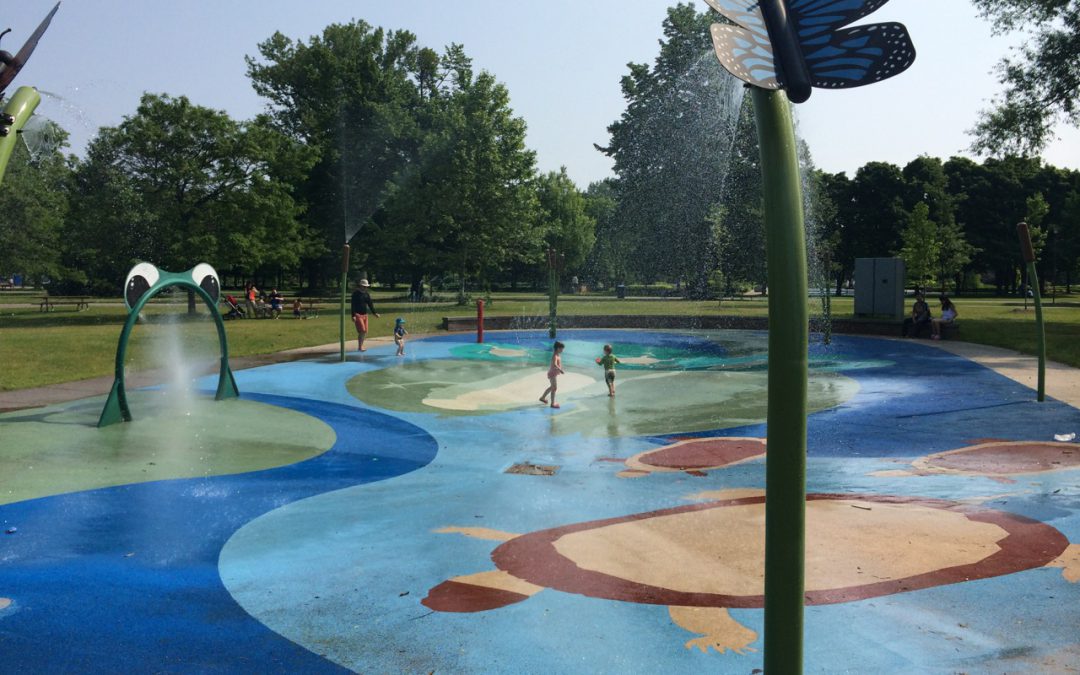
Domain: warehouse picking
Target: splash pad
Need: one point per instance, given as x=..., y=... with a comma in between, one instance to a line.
x=389, y=493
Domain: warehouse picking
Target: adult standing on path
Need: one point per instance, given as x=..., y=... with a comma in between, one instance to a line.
x=361, y=304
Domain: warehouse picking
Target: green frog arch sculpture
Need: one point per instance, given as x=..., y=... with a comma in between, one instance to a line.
x=145, y=281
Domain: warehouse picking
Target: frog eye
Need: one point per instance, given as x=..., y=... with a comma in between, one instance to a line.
x=139, y=280
x=206, y=278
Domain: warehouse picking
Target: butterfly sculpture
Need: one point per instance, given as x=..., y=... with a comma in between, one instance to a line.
x=798, y=44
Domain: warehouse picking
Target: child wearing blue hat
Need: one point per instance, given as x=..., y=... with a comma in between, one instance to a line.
x=399, y=336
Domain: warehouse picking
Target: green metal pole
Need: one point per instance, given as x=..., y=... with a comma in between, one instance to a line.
x=785, y=472
x=1033, y=281
x=344, y=291
x=20, y=107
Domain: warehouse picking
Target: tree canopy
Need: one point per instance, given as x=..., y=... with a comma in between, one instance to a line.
x=1042, y=78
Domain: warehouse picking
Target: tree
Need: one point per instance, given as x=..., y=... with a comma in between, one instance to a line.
x=991, y=201
x=608, y=260
x=921, y=248
x=33, y=205
x=176, y=184
x=352, y=94
x=1043, y=80
x=875, y=214
x=565, y=219
x=467, y=204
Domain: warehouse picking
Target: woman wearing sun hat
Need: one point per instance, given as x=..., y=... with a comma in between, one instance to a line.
x=361, y=303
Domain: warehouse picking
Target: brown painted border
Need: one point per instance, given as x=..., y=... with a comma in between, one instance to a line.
x=533, y=557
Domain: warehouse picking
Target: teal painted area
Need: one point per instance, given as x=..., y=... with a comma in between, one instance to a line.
x=713, y=380
x=59, y=449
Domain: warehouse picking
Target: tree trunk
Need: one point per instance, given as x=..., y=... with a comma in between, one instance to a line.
x=190, y=302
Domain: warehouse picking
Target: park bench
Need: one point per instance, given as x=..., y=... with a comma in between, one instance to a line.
x=48, y=304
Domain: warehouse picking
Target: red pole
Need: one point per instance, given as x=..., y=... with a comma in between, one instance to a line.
x=479, y=321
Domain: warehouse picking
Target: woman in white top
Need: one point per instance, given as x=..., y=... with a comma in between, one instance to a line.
x=948, y=315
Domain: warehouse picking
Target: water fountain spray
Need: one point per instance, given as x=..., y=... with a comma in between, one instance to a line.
x=793, y=45
x=21, y=106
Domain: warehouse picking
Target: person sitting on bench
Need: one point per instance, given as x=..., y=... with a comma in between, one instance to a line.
x=948, y=315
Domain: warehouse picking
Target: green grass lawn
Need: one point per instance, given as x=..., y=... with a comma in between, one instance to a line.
x=39, y=348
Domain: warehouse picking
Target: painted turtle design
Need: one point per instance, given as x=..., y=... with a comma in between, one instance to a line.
x=996, y=459
x=694, y=456
x=669, y=557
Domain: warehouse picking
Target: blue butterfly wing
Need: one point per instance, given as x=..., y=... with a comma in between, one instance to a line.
x=816, y=17
x=746, y=54
x=856, y=56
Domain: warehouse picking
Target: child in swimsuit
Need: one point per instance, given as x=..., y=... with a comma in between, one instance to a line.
x=399, y=336
x=553, y=373
x=608, y=361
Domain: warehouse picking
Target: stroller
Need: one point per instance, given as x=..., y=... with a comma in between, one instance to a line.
x=235, y=310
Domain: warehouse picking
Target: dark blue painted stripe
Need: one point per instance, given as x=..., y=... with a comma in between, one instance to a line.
x=125, y=579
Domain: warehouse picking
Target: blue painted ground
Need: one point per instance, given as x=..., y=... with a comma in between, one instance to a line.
x=125, y=579
x=322, y=565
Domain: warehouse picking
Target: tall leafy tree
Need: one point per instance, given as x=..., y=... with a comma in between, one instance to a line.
x=920, y=248
x=350, y=94
x=927, y=184
x=565, y=219
x=1042, y=79
x=992, y=199
x=467, y=204
x=177, y=183
x=875, y=212
x=608, y=259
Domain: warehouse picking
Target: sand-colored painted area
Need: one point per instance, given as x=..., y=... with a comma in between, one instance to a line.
x=722, y=550
x=659, y=401
x=524, y=390
x=507, y=353
x=59, y=449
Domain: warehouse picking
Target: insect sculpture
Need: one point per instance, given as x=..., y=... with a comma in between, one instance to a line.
x=803, y=43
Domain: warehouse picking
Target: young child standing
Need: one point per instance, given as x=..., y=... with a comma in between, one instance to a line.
x=399, y=336
x=608, y=361
x=554, y=370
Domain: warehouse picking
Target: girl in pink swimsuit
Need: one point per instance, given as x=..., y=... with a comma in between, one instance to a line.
x=553, y=373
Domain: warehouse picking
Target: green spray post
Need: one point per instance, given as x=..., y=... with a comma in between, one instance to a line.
x=785, y=466
x=1028, y=252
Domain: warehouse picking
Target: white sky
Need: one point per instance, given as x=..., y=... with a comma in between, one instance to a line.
x=561, y=60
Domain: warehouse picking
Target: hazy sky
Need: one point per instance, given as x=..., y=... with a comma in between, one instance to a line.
x=561, y=60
